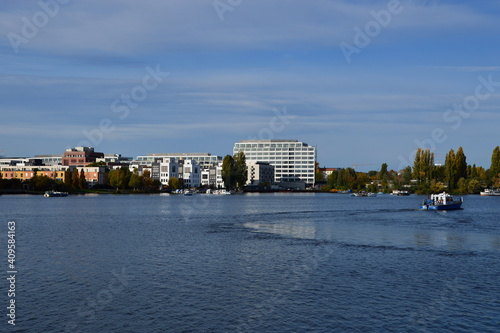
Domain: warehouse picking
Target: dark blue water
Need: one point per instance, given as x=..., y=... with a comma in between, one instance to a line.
x=252, y=263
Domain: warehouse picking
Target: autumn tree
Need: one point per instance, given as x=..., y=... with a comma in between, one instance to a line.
x=174, y=183
x=135, y=180
x=318, y=175
x=495, y=166
x=423, y=165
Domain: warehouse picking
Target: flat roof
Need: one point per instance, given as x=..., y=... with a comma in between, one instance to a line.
x=244, y=141
x=181, y=154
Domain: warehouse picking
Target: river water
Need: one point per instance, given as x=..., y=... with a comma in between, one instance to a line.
x=252, y=263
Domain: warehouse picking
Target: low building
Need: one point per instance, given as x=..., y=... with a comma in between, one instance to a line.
x=259, y=173
x=93, y=175
x=26, y=172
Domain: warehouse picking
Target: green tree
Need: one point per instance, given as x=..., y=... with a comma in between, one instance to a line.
x=119, y=178
x=42, y=183
x=460, y=164
x=436, y=187
x=147, y=181
x=331, y=180
x=473, y=186
x=75, y=179
x=407, y=175
x=462, y=186
x=228, y=172
x=135, y=180
x=449, y=170
x=174, y=183
x=318, y=175
x=82, y=182
x=240, y=169
x=67, y=178
x=382, y=174
x=1, y=180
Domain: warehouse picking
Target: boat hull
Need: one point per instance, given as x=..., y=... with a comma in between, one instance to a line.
x=442, y=207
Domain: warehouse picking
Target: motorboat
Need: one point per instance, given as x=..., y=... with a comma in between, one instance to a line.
x=490, y=192
x=441, y=201
x=49, y=194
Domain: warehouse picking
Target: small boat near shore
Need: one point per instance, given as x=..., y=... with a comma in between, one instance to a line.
x=49, y=194
x=442, y=201
x=400, y=193
x=365, y=194
x=490, y=193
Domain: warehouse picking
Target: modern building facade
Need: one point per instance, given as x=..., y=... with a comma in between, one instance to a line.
x=212, y=176
x=259, y=173
x=190, y=172
x=168, y=168
x=293, y=161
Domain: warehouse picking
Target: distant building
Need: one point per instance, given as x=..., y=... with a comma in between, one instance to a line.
x=327, y=171
x=259, y=173
x=21, y=161
x=25, y=172
x=293, y=161
x=80, y=156
x=50, y=159
x=93, y=175
x=202, y=159
x=114, y=159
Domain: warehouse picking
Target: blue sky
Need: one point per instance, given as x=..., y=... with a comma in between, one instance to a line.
x=229, y=69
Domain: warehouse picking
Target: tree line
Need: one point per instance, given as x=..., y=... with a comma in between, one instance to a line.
x=455, y=176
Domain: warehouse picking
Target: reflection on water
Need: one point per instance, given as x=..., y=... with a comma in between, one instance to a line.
x=402, y=228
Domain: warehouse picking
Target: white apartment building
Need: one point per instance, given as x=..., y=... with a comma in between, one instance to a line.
x=168, y=168
x=212, y=176
x=259, y=172
x=190, y=172
x=293, y=161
